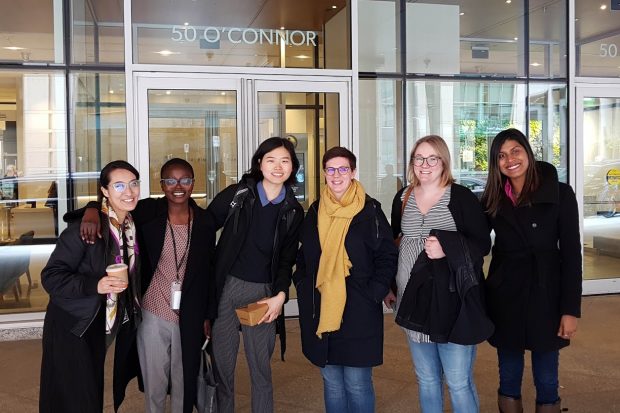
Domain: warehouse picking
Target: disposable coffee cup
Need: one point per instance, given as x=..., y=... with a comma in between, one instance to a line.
x=118, y=271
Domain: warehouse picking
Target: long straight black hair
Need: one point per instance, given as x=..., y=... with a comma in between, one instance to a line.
x=266, y=147
x=494, y=189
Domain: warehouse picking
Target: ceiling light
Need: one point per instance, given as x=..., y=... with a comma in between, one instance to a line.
x=282, y=28
x=535, y=64
x=334, y=7
x=168, y=92
x=186, y=24
x=462, y=13
x=111, y=92
x=223, y=93
x=166, y=52
x=516, y=38
x=603, y=6
x=13, y=48
x=302, y=56
x=508, y=1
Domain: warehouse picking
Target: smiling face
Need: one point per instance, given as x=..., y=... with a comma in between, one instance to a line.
x=276, y=166
x=177, y=193
x=513, y=161
x=426, y=174
x=126, y=200
x=338, y=183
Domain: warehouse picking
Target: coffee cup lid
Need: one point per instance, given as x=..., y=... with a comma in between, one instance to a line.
x=116, y=267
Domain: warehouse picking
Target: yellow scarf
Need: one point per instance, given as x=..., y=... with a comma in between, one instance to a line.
x=334, y=218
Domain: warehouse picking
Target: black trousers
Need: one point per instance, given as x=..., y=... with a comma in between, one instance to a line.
x=72, y=367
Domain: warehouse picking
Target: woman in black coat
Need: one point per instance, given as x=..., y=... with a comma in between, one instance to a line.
x=89, y=309
x=341, y=317
x=534, y=282
x=174, y=224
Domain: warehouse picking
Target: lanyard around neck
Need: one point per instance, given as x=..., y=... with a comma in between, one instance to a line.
x=179, y=263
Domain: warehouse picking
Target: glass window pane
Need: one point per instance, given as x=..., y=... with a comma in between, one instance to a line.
x=199, y=126
x=601, y=183
x=100, y=129
x=311, y=122
x=382, y=169
x=97, y=32
x=597, y=39
x=33, y=187
x=287, y=33
x=548, y=125
x=378, y=43
x=548, y=38
x=31, y=31
x=467, y=115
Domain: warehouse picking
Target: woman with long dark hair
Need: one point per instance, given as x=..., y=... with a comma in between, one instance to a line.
x=260, y=220
x=534, y=283
x=88, y=309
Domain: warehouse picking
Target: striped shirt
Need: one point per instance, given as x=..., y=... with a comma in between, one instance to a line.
x=415, y=227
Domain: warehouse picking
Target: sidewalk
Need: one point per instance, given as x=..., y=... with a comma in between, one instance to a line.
x=589, y=372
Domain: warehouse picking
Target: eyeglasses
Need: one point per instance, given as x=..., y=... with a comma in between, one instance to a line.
x=174, y=182
x=121, y=186
x=430, y=160
x=342, y=170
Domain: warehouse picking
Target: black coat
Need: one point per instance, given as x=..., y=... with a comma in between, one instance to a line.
x=231, y=210
x=432, y=302
x=535, y=272
x=371, y=249
x=71, y=277
x=198, y=288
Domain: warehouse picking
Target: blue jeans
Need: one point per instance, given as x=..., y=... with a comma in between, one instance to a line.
x=348, y=389
x=432, y=362
x=544, y=370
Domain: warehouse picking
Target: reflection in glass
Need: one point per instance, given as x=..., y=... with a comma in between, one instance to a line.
x=311, y=122
x=601, y=187
x=33, y=188
x=98, y=101
x=379, y=51
x=288, y=33
x=597, y=40
x=383, y=170
x=97, y=31
x=199, y=126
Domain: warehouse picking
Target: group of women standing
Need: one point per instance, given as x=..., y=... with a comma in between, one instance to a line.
x=347, y=265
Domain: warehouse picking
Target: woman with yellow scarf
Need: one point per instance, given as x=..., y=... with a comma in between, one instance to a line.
x=345, y=266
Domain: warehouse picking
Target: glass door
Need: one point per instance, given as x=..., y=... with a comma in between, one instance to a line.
x=598, y=183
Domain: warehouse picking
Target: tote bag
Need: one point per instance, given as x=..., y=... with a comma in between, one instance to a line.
x=206, y=401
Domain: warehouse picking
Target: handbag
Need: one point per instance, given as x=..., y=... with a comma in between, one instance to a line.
x=206, y=400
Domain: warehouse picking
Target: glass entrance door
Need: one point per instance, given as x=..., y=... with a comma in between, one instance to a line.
x=598, y=184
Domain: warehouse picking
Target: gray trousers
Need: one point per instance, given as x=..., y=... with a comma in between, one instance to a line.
x=159, y=350
x=258, y=342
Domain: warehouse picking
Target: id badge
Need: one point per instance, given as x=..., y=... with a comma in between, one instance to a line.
x=175, y=295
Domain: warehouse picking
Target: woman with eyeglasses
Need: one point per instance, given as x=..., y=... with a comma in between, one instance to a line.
x=89, y=309
x=260, y=219
x=177, y=243
x=534, y=282
x=439, y=300
x=345, y=265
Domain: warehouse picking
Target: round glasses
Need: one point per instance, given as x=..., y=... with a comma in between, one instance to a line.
x=174, y=182
x=121, y=186
x=430, y=160
x=342, y=170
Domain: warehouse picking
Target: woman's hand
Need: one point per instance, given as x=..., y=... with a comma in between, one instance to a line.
x=109, y=284
x=390, y=300
x=90, y=226
x=275, y=307
x=433, y=248
x=568, y=327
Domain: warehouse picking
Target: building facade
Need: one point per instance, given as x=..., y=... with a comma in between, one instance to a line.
x=84, y=82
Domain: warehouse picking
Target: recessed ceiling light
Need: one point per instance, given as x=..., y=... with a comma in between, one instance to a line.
x=186, y=24
x=302, y=56
x=576, y=20
x=111, y=92
x=462, y=13
x=508, y=1
x=168, y=92
x=334, y=7
x=535, y=64
x=166, y=52
x=516, y=38
x=13, y=48
x=282, y=28
x=223, y=93
x=603, y=6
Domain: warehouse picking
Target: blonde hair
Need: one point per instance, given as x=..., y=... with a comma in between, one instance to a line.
x=442, y=151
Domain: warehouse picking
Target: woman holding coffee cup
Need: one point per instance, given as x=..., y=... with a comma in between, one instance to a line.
x=88, y=307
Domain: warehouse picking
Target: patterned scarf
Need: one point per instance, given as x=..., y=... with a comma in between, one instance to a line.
x=334, y=219
x=124, y=250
